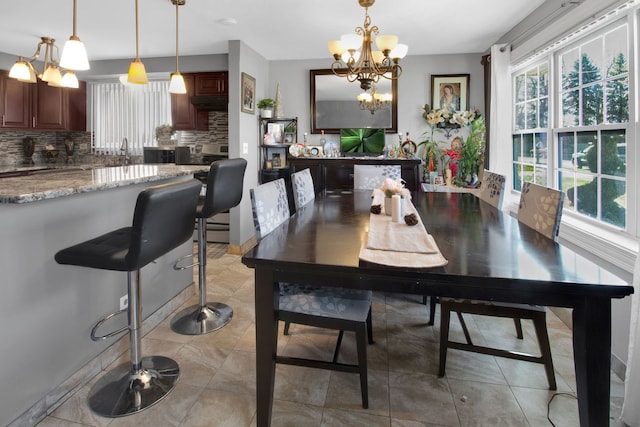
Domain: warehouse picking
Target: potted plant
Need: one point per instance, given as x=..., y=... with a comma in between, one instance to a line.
x=266, y=106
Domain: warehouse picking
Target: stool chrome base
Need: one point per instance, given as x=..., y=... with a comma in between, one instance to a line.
x=124, y=391
x=200, y=320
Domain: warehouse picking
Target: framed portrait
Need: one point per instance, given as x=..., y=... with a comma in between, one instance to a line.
x=248, y=93
x=450, y=91
x=276, y=130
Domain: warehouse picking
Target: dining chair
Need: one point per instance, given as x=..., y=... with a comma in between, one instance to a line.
x=303, y=190
x=323, y=307
x=369, y=177
x=492, y=188
x=540, y=209
x=491, y=191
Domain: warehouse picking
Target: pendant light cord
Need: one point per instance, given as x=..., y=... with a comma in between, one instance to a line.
x=136, y=29
x=177, y=8
x=75, y=13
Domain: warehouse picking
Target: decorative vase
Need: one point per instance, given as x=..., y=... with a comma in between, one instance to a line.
x=70, y=148
x=29, y=147
x=387, y=206
x=266, y=114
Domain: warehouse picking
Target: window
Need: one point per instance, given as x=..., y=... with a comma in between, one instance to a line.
x=117, y=111
x=571, y=125
x=531, y=117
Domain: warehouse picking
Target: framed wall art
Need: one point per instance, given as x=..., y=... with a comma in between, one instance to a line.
x=450, y=91
x=248, y=93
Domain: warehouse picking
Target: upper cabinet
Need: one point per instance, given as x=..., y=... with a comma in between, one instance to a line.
x=41, y=107
x=212, y=83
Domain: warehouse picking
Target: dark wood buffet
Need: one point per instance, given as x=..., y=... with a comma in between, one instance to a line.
x=337, y=173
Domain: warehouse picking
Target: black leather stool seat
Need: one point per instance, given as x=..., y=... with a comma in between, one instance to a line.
x=162, y=220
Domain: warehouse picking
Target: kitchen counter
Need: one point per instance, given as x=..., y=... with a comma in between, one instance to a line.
x=31, y=184
x=47, y=310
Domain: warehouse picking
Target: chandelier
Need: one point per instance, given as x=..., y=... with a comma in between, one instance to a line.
x=374, y=101
x=354, y=59
x=25, y=71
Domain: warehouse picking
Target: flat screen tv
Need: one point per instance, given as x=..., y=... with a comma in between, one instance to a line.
x=362, y=140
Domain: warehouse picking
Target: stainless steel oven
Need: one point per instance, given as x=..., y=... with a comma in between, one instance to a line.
x=216, y=149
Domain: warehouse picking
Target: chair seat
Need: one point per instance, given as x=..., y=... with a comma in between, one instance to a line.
x=337, y=303
x=106, y=252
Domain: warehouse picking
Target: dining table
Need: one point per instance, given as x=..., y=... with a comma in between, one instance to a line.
x=488, y=255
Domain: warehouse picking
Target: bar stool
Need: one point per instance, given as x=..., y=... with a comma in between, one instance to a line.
x=162, y=220
x=224, y=191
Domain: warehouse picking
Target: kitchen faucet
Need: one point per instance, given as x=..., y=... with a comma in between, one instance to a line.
x=125, y=147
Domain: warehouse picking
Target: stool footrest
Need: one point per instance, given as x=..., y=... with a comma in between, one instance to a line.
x=94, y=337
x=184, y=267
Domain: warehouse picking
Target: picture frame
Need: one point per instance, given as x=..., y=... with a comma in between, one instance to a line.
x=450, y=91
x=276, y=130
x=247, y=94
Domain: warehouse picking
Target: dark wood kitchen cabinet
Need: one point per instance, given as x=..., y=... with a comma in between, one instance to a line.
x=184, y=115
x=41, y=107
x=15, y=103
x=214, y=83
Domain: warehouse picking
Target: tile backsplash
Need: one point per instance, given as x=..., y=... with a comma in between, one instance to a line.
x=12, y=152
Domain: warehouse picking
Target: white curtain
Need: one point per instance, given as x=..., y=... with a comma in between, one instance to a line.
x=500, y=117
x=631, y=407
x=117, y=111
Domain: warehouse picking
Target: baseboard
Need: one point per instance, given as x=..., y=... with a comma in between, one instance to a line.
x=242, y=249
x=565, y=314
x=49, y=403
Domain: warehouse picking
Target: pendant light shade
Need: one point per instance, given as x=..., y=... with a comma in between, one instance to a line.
x=23, y=71
x=176, y=84
x=137, y=73
x=70, y=80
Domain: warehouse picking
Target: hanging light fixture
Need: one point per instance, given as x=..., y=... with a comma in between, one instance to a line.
x=137, y=73
x=374, y=101
x=176, y=84
x=25, y=71
x=74, y=55
x=354, y=59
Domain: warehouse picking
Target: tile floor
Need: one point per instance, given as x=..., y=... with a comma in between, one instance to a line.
x=217, y=381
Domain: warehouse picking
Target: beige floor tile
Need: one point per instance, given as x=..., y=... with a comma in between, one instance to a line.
x=339, y=418
x=481, y=404
x=421, y=397
x=344, y=392
x=289, y=414
x=237, y=374
x=563, y=410
x=301, y=385
x=221, y=409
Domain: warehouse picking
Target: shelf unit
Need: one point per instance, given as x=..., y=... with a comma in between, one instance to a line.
x=277, y=134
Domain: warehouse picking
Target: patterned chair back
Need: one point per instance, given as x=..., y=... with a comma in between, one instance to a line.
x=492, y=188
x=368, y=177
x=541, y=208
x=270, y=206
x=302, y=185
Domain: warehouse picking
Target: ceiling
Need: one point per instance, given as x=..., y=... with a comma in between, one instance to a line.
x=277, y=29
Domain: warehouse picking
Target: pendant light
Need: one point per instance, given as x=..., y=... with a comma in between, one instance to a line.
x=176, y=85
x=74, y=55
x=137, y=73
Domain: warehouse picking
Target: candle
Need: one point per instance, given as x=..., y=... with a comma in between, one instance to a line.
x=396, y=208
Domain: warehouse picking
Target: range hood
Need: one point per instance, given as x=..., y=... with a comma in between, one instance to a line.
x=210, y=102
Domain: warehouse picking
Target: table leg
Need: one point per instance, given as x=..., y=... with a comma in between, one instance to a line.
x=592, y=358
x=267, y=301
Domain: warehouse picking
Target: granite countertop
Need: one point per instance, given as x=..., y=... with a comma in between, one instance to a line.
x=41, y=183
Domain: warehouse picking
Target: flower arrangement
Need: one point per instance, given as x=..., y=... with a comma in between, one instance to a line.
x=391, y=186
x=165, y=129
x=465, y=156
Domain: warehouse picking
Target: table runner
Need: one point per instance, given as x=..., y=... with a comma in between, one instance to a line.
x=398, y=244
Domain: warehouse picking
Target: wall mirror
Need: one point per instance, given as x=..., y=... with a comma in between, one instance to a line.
x=334, y=104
